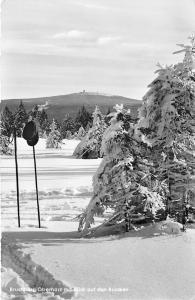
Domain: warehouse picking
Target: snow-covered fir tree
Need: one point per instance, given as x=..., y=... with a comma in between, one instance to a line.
x=5, y=148
x=81, y=133
x=167, y=121
x=54, y=137
x=90, y=145
x=124, y=181
x=6, y=131
x=20, y=119
x=88, y=126
x=7, y=123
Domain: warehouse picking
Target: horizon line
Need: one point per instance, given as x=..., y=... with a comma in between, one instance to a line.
x=84, y=92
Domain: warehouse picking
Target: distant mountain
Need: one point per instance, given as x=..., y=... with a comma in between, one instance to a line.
x=58, y=106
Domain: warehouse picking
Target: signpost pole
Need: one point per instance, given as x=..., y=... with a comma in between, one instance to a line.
x=38, y=211
x=30, y=134
x=17, y=182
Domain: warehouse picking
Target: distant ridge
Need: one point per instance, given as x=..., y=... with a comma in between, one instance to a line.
x=58, y=106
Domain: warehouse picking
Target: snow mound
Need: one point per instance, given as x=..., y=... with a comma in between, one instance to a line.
x=12, y=283
x=170, y=227
x=33, y=279
x=13, y=287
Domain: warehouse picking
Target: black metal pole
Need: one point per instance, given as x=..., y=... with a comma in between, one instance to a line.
x=38, y=211
x=17, y=181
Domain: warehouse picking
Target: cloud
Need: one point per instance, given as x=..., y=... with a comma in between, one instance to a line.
x=105, y=40
x=75, y=39
x=75, y=36
x=71, y=34
x=91, y=5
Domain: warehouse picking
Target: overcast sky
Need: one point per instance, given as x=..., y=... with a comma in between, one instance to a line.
x=53, y=47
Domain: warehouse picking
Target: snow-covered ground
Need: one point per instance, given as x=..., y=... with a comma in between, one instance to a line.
x=147, y=264
x=64, y=184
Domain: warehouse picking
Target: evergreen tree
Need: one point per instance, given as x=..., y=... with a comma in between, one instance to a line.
x=7, y=123
x=68, y=135
x=81, y=133
x=123, y=181
x=82, y=118
x=20, y=119
x=90, y=145
x=108, y=116
x=39, y=115
x=167, y=124
x=68, y=125
x=43, y=121
x=34, y=112
x=54, y=137
x=88, y=127
x=5, y=148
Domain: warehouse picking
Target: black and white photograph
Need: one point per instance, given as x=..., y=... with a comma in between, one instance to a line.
x=97, y=149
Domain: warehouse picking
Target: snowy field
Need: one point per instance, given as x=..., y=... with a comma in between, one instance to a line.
x=62, y=182
x=148, y=264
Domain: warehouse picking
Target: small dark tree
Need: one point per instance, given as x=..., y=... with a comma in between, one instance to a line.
x=43, y=121
x=82, y=118
x=108, y=117
x=68, y=125
x=39, y=115
x=69, y=135
x=34, y=112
